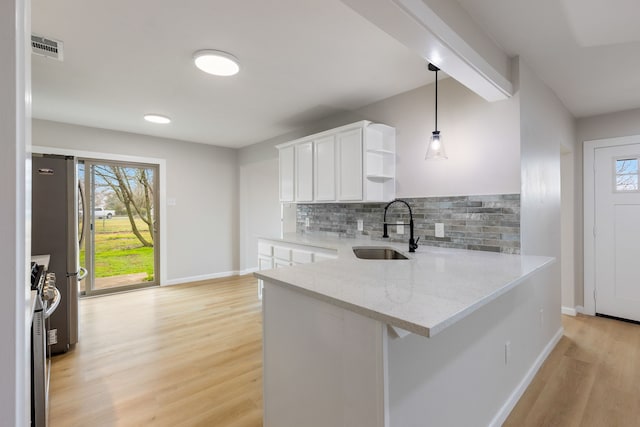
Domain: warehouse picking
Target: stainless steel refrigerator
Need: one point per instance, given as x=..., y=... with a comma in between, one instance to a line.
x=54, y=231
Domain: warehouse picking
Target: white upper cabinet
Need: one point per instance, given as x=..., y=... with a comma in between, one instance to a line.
x=352, y=163
x=325, y=169
x=350, y=181
x=304, y=172
x=286, y=157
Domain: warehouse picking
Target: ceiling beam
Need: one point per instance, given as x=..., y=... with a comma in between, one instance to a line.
x=444, y=34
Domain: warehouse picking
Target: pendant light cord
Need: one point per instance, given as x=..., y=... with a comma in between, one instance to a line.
x=436, y=69
x=436, y=100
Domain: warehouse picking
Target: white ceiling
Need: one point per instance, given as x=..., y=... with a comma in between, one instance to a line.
x=301, y=61
x=587, y=51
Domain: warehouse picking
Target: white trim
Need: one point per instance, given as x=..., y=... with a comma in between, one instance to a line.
x=589, y=148
x=162, y=196
x=579, y=309
x=517, y=393
x=248, y=271
x=182, y=280
x=569, y=311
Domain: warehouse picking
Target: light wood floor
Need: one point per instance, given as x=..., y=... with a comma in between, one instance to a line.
x=591, y=379
x=191, y=355
x=188, y=355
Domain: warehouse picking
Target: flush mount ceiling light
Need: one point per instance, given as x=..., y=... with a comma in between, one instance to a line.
x=435, y=150
x=157, y=118
x=216, y=62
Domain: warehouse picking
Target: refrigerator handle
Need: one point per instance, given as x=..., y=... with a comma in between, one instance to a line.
x=82, y=273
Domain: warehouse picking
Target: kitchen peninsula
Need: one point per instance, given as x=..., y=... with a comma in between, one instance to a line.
x=403, y=342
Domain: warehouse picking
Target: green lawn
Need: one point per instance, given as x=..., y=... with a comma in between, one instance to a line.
x=118, y=250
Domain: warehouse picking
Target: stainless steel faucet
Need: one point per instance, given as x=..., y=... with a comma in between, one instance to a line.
x=413, y=244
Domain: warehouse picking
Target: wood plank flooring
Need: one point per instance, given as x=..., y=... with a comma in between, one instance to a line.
x=187, y=355
x=191, y=355
x=591, y=378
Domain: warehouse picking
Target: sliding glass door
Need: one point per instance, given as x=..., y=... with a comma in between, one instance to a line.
x=121, y=226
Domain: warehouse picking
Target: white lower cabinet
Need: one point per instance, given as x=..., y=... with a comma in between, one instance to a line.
x=264, y=263
x=278, y=254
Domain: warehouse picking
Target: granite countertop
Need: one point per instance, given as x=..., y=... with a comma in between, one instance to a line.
x=425, y=294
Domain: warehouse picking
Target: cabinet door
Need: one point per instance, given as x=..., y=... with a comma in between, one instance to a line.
x=286, y=157
x=304, y=172
x=265, y=263
x=324, y=162
x=350, y=165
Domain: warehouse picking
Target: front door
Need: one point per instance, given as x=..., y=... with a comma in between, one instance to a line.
x=617, y=231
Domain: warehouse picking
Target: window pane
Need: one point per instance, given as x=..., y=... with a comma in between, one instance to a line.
x=627, y=182
x=626, y=166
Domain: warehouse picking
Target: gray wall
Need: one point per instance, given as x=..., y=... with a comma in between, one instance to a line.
x=202, y=227
x=482, y=141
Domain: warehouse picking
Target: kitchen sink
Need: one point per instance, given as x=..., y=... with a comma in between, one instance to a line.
x=377, y=253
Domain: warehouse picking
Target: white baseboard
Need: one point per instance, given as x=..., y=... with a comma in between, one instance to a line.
x=570, y=311
x=580, y=309
x=200, y=278
x=248, y=271
x=511, y=402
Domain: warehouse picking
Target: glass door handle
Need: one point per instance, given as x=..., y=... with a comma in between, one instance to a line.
x=82, y=273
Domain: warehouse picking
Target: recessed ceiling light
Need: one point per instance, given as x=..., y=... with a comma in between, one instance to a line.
x=216, y=62
x=157, y=118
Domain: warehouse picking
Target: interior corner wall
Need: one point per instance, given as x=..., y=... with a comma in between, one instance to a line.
x=613, y=125
x=546, y=126
x=201, y=228
x=481, y=139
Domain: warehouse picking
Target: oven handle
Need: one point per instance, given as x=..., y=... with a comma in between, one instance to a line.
x=54, y=303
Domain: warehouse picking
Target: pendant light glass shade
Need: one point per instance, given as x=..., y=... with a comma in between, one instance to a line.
x=435, y=150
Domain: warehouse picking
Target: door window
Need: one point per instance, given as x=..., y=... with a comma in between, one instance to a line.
x=626, y=174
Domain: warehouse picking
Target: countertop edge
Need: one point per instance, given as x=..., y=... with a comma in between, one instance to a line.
x=423, y=330
x=489, y=298
x=372, y=314
x=409, y=326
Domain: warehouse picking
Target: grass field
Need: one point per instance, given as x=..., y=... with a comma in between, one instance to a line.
x=118, y=250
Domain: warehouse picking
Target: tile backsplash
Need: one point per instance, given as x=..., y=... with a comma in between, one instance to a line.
x=485, y=223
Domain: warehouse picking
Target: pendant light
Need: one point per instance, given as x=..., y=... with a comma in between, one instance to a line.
x=435, y=150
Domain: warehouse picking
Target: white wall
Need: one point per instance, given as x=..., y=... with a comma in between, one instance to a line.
x=623, y=123
x=202, y=228
x=546, y=126
x=482, y=142
x=259, y=206
x=15, y=212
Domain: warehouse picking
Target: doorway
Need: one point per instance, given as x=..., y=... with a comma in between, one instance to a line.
x=612, y=209
x=121, y=226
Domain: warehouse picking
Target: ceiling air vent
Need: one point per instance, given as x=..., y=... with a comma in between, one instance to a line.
x=49, y=48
